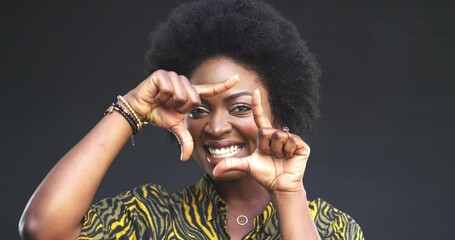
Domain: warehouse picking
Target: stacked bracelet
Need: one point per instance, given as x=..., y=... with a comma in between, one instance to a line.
x=136, y=119
x=126, y=115
x=130, y=115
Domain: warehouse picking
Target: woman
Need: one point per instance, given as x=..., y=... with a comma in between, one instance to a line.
x=230, y=79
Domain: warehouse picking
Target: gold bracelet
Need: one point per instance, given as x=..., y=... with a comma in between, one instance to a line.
x=138, y=121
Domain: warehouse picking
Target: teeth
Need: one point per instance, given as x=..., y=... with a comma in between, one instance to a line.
x=224, y=152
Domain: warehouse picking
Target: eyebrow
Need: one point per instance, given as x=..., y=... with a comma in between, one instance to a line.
x=236, y=95
x=230, y=97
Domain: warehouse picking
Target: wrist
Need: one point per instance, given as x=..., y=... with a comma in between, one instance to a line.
x=292, y=188
x=297, y=192
x=289, y=196
x=123, y=107
x=294, y=215
x=135, y=105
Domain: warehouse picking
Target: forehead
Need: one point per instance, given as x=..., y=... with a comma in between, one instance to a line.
x=219, y=69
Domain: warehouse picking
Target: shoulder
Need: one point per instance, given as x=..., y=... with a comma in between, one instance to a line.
x=120, y=215
x=152, y=193
x=333, y=223
x=146, y=199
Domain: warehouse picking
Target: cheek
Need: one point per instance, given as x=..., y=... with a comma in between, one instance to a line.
x=247, y=127
x=195, y=127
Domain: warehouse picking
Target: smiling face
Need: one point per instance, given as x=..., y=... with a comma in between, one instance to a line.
x=223, y=126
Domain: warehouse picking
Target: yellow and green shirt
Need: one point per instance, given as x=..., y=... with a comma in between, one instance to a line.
x=197, y=212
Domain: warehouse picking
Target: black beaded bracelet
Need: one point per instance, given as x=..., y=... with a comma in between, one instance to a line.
x=115, y=106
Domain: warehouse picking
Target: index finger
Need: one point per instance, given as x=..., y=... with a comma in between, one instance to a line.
x=258, y=113
x=210, y=90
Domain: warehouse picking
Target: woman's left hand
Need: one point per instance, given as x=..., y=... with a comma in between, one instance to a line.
x=279, y=161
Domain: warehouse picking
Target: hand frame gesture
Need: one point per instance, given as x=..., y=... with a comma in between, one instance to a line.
x=280, y=159
x=165, y=97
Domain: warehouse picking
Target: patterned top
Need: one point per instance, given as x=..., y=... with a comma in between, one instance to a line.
x=197, y=212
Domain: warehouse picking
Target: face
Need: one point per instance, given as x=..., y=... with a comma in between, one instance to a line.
x=223, y=126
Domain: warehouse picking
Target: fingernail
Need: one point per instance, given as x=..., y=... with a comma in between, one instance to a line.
x=236, y=77
x=181, y=152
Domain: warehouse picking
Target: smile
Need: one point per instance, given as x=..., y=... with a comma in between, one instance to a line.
x=225, y=152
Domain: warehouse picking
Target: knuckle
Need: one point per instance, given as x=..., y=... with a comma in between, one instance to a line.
x=180, y=98
x=262, y=131
x=195, y=100
x=279, y=134
x=229, y=163
x=159, y=72
x=294, y=139
x=183, y=78
x=166, y=90
x=159, y=75
x=172, y=74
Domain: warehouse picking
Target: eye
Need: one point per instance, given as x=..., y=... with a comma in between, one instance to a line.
x=198, y=112
x=241, y=109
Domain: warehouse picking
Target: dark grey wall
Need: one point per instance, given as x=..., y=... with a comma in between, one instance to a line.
x=383, y=150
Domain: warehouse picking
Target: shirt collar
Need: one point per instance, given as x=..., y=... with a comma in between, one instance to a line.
x=214, y=205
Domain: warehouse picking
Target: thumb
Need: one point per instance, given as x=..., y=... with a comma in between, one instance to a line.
x=185, y=140
x=232, y=164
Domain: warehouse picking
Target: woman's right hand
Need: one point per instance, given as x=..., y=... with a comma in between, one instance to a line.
x=165, y=97
x=58, y=205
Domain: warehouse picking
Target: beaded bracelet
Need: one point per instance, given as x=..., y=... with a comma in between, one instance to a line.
x=126, y=115
x=136, y=119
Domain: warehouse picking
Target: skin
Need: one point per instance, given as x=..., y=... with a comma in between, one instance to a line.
x=270, y=166
x=225, y=119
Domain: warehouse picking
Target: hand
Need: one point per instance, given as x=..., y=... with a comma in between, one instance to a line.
x=279, y=161
x=165, y=97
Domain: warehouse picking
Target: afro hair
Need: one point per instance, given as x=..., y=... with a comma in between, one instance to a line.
x=253, y=34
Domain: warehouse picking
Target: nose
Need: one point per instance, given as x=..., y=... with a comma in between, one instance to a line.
x=217, y=125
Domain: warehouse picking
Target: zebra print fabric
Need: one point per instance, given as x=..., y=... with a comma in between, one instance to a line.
x=150, y=212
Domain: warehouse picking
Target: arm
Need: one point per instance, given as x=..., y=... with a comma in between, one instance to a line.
x=278, y=164
x=57, y=207
x=294, y=216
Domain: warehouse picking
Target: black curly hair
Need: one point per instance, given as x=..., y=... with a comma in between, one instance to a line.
x=253, y=34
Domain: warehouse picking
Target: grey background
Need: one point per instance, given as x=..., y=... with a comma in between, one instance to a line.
x=383, y=151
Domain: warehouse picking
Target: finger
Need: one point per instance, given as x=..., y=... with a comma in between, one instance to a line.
x=185, y=140
x=178, y=97
x=258, y=113
x=164, y=85
x=232, y=164
x=279, y=138
x=264, y=139
x=302, y=149
x=290, y=146
x=210, y=90
x=193, y=99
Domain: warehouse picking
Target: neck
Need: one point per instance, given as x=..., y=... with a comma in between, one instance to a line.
x=243, y=193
